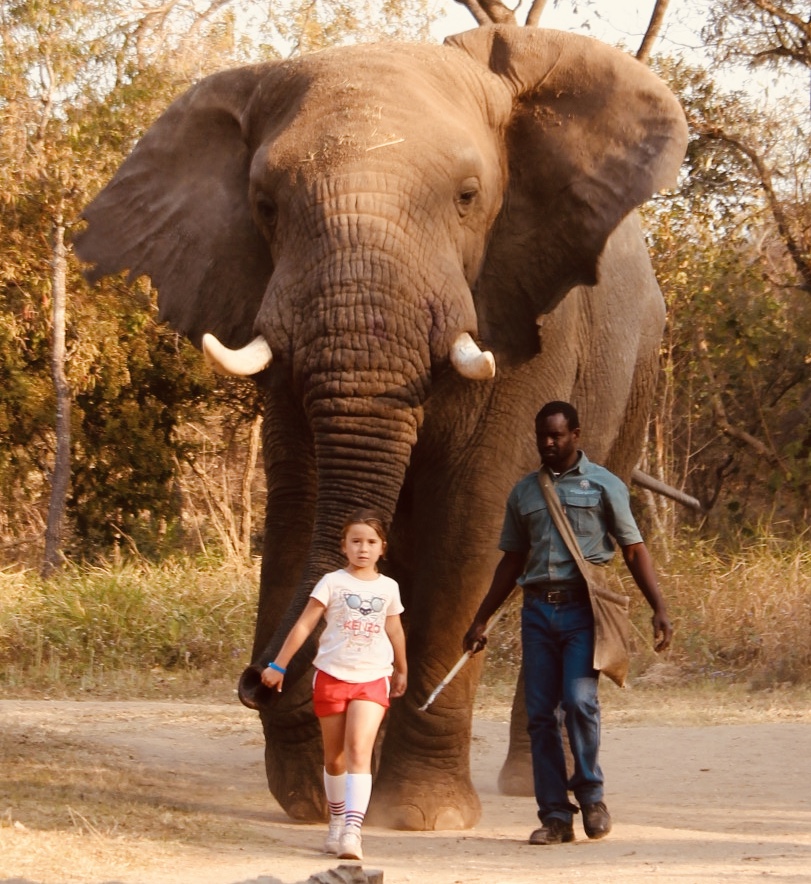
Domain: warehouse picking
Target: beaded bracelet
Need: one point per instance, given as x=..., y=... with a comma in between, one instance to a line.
x=276, y=667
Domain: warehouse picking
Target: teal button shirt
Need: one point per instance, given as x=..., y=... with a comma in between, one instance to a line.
x=597, y=504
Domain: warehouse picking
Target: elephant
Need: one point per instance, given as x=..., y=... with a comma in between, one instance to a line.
x=410, y=247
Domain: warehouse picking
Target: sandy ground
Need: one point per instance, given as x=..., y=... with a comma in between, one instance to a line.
x=185, y=782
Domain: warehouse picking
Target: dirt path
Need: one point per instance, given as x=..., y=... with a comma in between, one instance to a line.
x=156, y=793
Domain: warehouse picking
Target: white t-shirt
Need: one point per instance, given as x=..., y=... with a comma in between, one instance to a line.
x=354, y=645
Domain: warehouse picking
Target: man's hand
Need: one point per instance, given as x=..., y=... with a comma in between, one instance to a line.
x=640, y=564
x=508, y=570
x=475, y=639
x=662, y=631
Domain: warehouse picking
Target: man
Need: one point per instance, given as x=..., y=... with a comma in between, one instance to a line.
x=557, y=625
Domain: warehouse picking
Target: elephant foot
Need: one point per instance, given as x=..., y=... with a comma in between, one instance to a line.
x=424, y=806
x=515, y=777
x=295, y=780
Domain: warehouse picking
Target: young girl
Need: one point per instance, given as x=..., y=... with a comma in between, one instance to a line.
x=360, y=664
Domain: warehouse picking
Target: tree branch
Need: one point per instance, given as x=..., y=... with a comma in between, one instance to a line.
x=719, y=411
x=659, y=487
x=535, y=12
x=489, y=11
x=798, y=251
x=783, y=15
x=657, y=19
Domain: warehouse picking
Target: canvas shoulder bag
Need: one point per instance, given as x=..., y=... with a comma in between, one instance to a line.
x=611, y=623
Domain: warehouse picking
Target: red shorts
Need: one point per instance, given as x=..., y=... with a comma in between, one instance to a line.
x=331, y=695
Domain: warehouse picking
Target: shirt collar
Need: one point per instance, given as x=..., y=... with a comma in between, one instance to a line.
x=578, y=466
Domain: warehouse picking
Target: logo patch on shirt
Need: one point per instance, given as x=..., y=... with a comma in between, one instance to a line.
x=585, y=484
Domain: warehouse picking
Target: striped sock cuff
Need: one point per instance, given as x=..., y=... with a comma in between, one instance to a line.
x=354, y=819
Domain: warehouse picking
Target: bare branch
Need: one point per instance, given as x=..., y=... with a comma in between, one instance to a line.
x=719, y=411
x=798, y=251
x=648, y=482
x=535, y=12
x=784, y=15
x=489, y=11
x=657, y=19
x=207, y=14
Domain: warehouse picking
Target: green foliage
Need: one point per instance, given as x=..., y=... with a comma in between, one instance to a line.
x=141, y=383
x=79, y=82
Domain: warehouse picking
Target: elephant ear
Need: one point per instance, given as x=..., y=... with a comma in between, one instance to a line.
x=593, y=133
x=177, y=211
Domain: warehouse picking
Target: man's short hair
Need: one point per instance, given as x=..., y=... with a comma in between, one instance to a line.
x=565, y=408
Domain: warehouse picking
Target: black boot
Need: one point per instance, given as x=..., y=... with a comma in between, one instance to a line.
x=553, y=831
x=596, y=819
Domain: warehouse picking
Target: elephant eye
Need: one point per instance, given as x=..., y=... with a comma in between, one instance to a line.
x=466, y=197
x=266, y=212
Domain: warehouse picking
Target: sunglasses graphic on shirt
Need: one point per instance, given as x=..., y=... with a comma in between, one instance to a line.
x=364, y=606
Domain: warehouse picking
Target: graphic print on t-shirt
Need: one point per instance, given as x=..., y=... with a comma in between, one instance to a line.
x=362, y=620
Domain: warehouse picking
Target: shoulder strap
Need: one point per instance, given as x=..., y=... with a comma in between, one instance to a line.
x=563, y=525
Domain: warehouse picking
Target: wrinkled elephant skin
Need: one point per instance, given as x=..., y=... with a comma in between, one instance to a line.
x=360, y=217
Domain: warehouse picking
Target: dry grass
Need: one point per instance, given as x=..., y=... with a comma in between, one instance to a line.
x=744, y=614
x=740, y=616
x=137, y=630
x=140, y=630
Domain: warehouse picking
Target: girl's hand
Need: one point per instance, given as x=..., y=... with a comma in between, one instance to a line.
x=272, y=679
x=398, y=684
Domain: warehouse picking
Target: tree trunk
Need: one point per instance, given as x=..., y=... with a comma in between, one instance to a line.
x=61, y=471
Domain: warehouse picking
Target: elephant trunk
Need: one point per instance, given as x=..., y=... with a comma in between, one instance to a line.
x=362, y=450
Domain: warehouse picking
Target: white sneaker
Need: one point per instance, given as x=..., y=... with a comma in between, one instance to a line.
x=333, y=842
x=350, y=846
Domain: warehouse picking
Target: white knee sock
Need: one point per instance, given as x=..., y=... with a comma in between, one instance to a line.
x=358, y=793
x=335, y=789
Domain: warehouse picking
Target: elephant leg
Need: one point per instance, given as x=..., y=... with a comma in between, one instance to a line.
x=293, y=748
x=515, y=776
x=424, y=778
x=294, y=757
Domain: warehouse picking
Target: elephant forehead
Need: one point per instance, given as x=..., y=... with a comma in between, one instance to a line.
x=345, y=105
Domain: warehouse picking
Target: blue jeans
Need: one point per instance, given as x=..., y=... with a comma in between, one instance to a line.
x=558, y=649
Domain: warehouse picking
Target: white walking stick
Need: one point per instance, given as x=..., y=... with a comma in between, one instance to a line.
x=460, y=663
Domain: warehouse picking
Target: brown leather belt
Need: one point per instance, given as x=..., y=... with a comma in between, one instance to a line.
x=558, y=593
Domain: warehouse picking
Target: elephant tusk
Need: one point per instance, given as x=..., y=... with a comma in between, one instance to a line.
x=248, y=360
x=470, y=361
